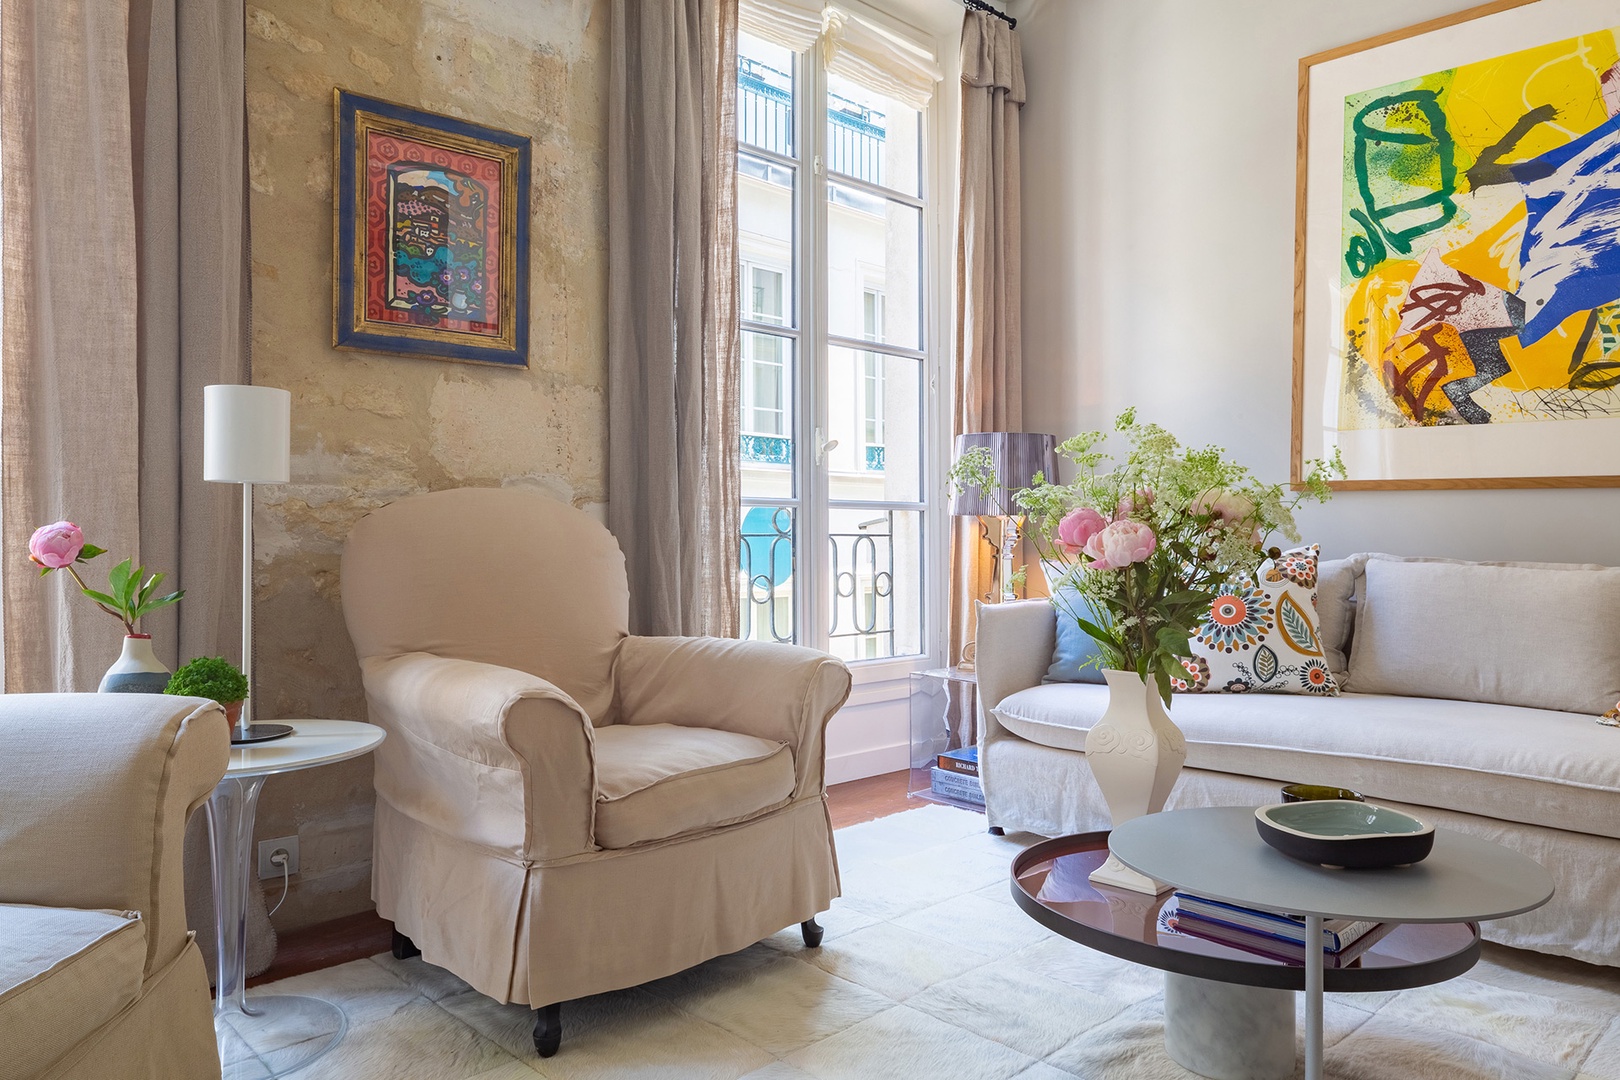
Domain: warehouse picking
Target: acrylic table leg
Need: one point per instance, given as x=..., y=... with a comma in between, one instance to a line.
x=231, y=810
x=1313, y=997
x=281, y=1033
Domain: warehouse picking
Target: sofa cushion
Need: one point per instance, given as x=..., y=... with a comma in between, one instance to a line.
x=64, y=972
x=1535, y=766
x=1512, y=635
x=1076, y=656
x=1336, y=608
x=1262, y=633
x=660, y=780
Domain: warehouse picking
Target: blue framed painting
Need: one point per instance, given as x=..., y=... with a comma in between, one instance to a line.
x=431, y=237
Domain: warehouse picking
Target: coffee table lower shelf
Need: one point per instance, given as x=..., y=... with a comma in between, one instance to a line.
x=1229, y=1014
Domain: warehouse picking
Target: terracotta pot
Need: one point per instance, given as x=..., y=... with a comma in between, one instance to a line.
x=233, y=712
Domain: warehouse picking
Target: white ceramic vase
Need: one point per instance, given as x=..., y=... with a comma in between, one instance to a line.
x=1135, y=753
x=137, y=670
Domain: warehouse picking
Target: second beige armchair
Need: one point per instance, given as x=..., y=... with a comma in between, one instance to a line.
x=564, y=809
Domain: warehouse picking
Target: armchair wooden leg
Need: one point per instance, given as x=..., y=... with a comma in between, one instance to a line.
x=548, y=1029
x=404, y=947
x=812, y=932
x=997, y=830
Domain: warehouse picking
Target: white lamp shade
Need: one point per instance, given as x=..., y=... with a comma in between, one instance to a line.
x=247, y=434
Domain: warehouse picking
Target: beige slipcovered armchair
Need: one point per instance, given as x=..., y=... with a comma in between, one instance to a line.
x=99, y=976
x=563, y=809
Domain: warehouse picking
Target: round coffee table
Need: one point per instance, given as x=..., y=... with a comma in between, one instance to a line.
x=1215, y=852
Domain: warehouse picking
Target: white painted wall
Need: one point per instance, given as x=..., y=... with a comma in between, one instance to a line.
x=1158, y=156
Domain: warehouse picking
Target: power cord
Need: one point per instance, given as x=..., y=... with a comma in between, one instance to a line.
x=280, y=858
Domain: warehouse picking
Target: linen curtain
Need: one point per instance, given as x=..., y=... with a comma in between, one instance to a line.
x=68, y=429
x=989, y=359
x=674, y=367
x=125, y=291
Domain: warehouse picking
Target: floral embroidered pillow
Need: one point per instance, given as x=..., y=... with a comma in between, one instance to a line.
x=1612, y=717
x=1263, y=634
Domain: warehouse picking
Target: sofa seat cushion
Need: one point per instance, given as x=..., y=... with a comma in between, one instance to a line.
x=660, y=780
x=64, y=972
x=1534, y=766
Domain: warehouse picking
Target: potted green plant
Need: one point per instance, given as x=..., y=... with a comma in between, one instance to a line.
x=212, y=677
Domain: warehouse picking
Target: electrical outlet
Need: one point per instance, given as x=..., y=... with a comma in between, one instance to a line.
x=268, y=848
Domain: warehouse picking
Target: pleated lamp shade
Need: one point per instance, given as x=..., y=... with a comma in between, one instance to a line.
x=1019, y=455
x=247, y=434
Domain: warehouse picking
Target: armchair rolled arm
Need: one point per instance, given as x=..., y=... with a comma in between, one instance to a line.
x=785, y=693
x=95, y=790
x=1013, y=652
x=487, y=754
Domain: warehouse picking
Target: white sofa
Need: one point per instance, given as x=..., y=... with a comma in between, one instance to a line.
x=1496, y=639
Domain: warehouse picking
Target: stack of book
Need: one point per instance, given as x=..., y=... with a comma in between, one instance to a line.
x=955, y=775
x=1269, y=934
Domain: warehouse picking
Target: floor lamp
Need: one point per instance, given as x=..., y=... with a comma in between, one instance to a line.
x=247, y=434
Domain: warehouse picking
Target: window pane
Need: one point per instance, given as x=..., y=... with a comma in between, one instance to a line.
x=871, y=137
x=874, y=411
x=876, y=583
x=767, y=416
x=765, y=240
x=764, y=95
x=767, y=569
x=873, y=267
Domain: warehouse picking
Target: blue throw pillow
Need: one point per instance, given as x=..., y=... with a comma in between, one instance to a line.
x=1074, y=646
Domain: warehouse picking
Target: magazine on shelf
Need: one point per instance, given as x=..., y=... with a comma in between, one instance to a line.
x=1273, y=948
x=1337, y=934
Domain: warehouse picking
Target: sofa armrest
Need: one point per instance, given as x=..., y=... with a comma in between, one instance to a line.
x=780, y=692
x=1013, y=651
x=95, y=790
x=487, y=754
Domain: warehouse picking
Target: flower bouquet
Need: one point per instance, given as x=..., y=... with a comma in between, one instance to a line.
x=1149, y=539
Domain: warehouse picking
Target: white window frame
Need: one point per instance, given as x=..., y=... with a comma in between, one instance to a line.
x=807, y=284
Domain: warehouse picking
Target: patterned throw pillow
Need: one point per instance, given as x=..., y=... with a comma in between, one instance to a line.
x=1263, y=634
x=1612, y=717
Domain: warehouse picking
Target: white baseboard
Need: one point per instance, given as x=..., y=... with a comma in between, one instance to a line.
x=873, y=762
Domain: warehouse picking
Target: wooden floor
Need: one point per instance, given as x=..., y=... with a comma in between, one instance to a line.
x=356, y=936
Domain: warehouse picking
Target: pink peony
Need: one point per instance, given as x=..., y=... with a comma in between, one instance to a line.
x=55, y=546
x=1094, y=550
x=1224, y=506
x=1140, y=499
x=1124, y=543
x=1078, y=527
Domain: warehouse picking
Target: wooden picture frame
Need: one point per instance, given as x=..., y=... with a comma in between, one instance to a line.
x=430, y=235
x=1444, y=336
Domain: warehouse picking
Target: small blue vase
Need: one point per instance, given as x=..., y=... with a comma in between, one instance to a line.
x=137, y=670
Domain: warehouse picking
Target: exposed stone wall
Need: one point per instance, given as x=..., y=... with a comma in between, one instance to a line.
x=369, y=428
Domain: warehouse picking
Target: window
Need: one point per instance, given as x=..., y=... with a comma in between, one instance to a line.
x=837, y=375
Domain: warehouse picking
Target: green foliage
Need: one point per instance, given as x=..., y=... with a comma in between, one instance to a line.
x=1211, y=520
x=211, y=677
x=131, y=594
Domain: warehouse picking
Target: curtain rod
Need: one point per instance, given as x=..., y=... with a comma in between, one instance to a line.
x=980, y=5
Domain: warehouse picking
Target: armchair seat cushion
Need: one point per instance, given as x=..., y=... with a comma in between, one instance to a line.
x=655, y=781
x=64, y=972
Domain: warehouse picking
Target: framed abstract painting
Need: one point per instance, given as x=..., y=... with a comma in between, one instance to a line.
x=431, y=235
x=1457, y=247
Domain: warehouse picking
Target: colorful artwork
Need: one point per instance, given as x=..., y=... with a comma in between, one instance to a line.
x=1458, y=291
x=1482, y=241
x=431, y=235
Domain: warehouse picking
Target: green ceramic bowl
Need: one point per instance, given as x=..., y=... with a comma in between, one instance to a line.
x=1315, y=792
x=1343, y=832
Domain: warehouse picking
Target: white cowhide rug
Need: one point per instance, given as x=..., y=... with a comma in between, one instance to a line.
x=929, y=971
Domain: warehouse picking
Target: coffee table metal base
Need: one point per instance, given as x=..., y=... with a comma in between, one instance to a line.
x=1229, y=1032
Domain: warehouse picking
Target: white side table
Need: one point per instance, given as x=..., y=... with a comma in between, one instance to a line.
x=305, y=1027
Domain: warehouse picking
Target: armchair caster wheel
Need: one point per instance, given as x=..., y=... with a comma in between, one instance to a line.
x=997, y=830
x=548, y=1029
x=404, y=947
x=812, y=932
